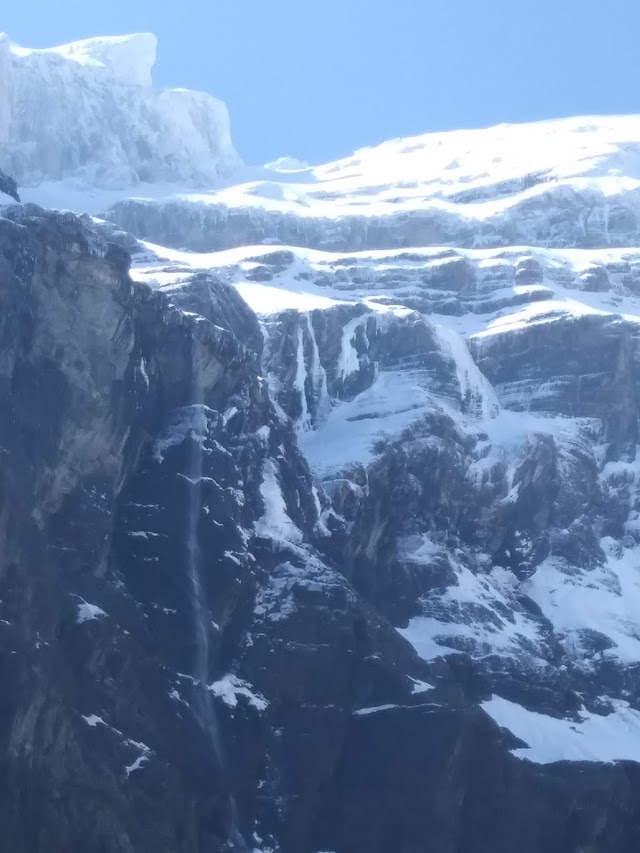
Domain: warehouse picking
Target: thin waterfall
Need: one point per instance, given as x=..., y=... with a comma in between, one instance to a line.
x=205, y=710
x=204, y=703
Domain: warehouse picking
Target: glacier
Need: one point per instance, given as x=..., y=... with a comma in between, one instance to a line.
x=86, y=113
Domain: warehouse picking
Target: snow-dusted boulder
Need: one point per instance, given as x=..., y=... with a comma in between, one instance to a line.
x=87, y=112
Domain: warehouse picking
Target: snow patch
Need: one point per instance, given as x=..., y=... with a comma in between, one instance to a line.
x=348, y=360
x=593, y=737
x=477, y=615
x=605, y=599
x=365, y=712
x=87, y=612
x=94, y=720
x=140, y=761
x=230, y=687
x=275, y=522
x=143, y=371
x=420, y=686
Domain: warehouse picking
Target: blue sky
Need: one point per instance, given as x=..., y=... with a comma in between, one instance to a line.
x=317, y=79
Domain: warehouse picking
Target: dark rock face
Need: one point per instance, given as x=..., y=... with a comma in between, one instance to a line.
x=197, y=650
x=8, y=186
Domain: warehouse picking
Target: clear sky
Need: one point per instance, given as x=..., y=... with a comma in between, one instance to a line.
x=316, y=79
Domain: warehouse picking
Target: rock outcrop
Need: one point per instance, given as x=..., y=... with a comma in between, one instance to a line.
x=9, y=187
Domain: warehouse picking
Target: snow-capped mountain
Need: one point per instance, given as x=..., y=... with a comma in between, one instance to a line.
x=319, y=505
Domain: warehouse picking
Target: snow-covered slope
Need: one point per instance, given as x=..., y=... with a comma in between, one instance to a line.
x=468, y=166
x=558, y=184
x=86, y=112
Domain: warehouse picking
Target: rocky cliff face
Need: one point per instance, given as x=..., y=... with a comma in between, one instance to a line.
x=199, y=651
x=329, y=546
x=471, y=416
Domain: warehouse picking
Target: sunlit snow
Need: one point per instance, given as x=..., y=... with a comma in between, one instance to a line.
x=593, y=737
